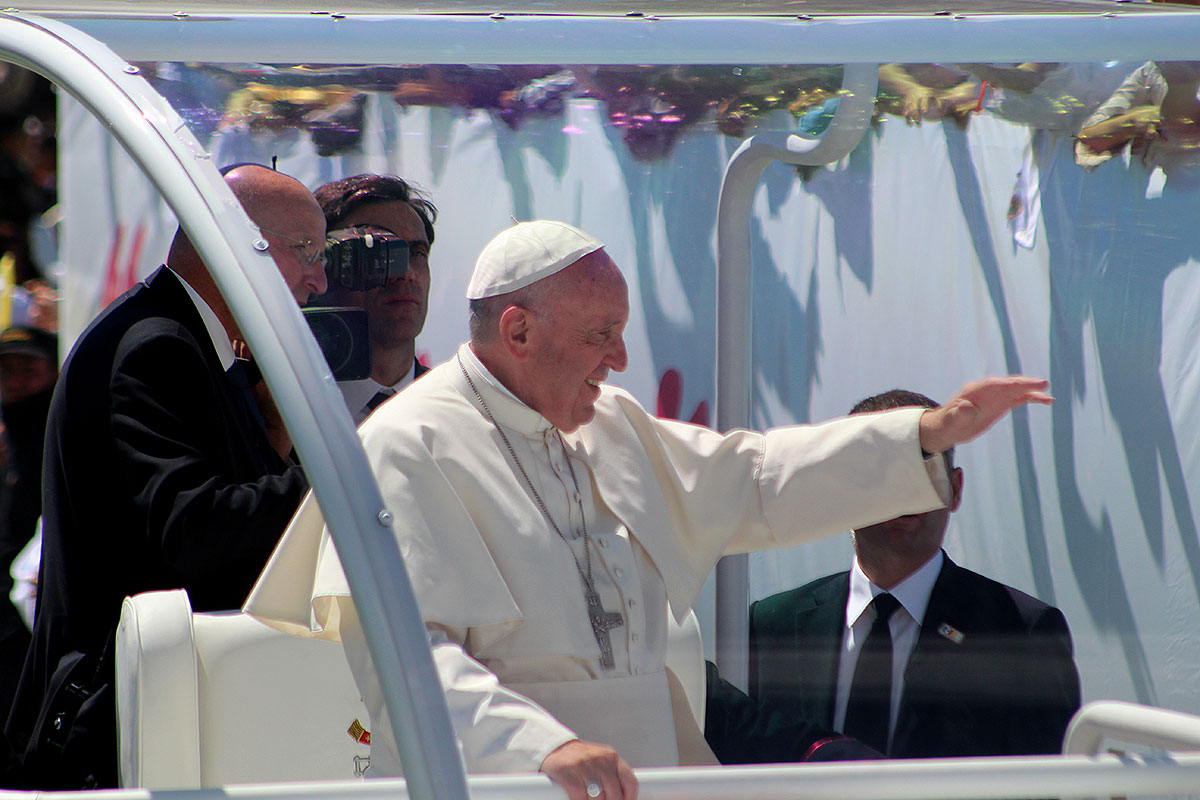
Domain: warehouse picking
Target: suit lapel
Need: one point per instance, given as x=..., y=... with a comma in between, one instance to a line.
x=929, y=671
x=240, y=407
x=819, y=625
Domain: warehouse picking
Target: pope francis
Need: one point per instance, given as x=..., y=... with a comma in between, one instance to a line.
x=549, y=522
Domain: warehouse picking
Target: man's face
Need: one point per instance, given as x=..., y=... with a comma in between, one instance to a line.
x=577, y=341
x=23, y=376
x=397, y=311
x=297, y=244
x=914, y=537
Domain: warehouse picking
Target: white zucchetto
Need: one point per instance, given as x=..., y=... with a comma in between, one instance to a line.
x=526, y=253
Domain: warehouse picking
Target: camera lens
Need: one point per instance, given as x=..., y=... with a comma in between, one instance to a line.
x=335, y=339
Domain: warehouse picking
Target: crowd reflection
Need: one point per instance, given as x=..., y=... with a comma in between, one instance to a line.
x=1150, y=108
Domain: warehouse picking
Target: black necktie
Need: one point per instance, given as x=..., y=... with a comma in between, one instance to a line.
x=380, y=396
x=244, y=376
x=870, y=704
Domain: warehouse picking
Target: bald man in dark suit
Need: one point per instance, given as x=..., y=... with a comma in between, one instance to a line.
x=166, y=467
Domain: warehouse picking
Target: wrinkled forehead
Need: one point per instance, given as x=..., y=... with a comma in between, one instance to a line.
x=594, y=285
x=599, y=269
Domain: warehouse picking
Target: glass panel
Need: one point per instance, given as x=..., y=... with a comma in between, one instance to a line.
x=995, y=218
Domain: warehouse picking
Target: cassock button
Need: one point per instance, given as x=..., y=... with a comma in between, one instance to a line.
x=633, y=637
x=632, y=602
x=603, y=542
x=620, y=573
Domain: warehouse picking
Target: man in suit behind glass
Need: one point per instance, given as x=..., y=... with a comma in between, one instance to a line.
x=976, y=667
x=396, y=312
x=165, y=468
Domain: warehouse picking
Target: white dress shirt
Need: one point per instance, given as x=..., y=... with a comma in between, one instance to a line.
x=905, y=625
x=216, y=331
x=358, y=394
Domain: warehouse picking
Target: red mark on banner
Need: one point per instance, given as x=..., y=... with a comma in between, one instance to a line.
x=670, y=399
x=111, y=292
x=135, y=256
x=116, y=281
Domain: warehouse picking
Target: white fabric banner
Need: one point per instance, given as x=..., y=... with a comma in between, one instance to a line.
x=897, y=267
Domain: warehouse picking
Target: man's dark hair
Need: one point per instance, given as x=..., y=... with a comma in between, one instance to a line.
x=899, y=398
x=339, y=199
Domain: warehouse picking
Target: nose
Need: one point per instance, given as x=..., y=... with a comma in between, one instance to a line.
x=396, y=276
x=618, y=358
x=315, y=279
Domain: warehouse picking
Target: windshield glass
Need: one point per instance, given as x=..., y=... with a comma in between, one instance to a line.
x=1035, y=218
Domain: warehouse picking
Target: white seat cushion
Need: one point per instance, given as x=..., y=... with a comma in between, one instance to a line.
x=219, y=698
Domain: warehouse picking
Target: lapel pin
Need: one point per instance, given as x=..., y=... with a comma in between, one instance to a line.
x=358, y=733
x=951, y=633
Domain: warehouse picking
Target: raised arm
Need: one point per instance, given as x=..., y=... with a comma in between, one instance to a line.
x=976, y=407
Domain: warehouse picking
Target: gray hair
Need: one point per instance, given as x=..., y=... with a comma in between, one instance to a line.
x=539, y=297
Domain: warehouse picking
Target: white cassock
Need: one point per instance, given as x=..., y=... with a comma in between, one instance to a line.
x=498, y=588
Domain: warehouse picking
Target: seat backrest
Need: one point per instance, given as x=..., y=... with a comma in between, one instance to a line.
x=158, y=711
x=264, y=706
x=219, y=698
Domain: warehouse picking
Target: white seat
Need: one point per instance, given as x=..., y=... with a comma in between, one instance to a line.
x=219, y=698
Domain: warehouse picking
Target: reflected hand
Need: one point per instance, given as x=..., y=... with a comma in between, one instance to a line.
x=976, y=408
x=590, y=771
x=921, y=103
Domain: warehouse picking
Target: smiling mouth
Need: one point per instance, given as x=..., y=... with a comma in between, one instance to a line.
x=593, y=382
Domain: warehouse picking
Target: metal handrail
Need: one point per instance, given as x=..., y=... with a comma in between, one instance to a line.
x=311, y=406
x=1132, y=723
x=1115, y=32
x=905, y=779
x=735, y=313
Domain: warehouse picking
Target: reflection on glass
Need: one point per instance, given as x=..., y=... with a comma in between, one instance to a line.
x=1151, y=107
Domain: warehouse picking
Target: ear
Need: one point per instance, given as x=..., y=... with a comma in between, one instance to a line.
x=956, y=488
x=515, y=325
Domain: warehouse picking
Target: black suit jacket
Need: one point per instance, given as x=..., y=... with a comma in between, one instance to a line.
x=741, y=730
x=1008, y=687
x=158, y=475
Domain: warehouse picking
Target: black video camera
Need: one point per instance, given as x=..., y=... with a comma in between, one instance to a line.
x=344, y=339
x=359, y=258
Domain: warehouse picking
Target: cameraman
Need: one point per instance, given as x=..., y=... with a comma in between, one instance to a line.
x=384, y=204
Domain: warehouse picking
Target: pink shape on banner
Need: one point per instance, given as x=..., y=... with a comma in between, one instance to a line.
x=670, y=399
x=116, y=281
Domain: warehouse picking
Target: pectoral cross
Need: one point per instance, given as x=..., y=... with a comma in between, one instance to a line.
x=602, y=622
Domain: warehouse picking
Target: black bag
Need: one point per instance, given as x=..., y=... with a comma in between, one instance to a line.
x=73, y=744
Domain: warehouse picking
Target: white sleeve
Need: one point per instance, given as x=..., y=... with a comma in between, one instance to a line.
x=501, y=731
x=498, y=730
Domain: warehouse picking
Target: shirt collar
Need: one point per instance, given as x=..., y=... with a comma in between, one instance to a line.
x=359, y=393
x=216, y=331
x=912, y=592
x=504, y=405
